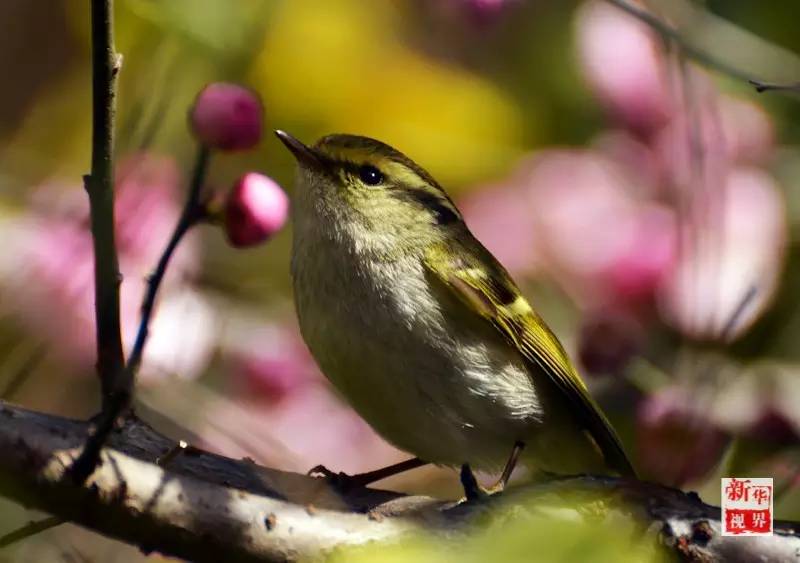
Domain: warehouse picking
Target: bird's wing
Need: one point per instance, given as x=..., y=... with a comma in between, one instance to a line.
x=484, y=286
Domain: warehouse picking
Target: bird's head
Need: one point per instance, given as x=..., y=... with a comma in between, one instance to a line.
x=365, y=184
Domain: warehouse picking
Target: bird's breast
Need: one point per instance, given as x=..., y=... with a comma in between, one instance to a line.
x=421, y=377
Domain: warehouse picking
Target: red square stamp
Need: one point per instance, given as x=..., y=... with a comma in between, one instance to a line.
x=747, y=506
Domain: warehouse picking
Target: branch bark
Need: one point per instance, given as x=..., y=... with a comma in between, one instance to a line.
x=205, y=507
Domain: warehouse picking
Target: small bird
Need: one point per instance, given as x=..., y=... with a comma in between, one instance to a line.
x=422, y=330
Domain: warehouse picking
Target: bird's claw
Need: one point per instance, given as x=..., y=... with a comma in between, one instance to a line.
x=339, y=480
x=472, y=490
x=320, y=471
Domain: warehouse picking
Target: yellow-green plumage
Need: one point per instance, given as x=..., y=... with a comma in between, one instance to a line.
x=421, y=329
x=487, y=289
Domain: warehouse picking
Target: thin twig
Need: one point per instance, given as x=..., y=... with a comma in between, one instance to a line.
x=766, y=87
x=705, y=58
x=30, y=529
x=669, y=32
x=736, y=315
x=119, y=401
x=192, y=213
x=99, y=184
x=23, y=372
x=172, y=453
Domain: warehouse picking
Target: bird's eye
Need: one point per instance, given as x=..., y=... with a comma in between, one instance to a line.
x=370, y=175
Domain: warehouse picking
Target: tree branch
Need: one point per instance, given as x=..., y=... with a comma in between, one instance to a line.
x=767, y=87
x=192, y=212
x=670, y=33
x=30, y=529
x=99, y=185
x=119, y=401
x=205, y=507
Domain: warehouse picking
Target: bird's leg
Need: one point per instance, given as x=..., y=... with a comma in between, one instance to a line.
x=472, y=490
x=508, y=469
x=345, y=481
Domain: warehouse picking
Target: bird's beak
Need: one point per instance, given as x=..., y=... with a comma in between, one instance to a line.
x=304, y=154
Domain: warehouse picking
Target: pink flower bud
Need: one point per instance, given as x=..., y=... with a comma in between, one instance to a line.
x=256, y=209
x=227, y=117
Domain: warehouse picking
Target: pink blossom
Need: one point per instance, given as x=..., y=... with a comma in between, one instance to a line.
x=583, y=218
x=227, y=117
x=255, y=209
x=649, y=257
x=729, y=271
x=597, y=236
x=270, y=361
x=637, y=160
x=749, y=133
x=501, y=217
x=309, y=426
x=693, y=147
x=623, y=65
x=714, y=132
x=48, y=266
x=278, y=389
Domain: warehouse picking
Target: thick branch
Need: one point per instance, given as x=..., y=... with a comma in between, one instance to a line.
x=202, y=507
x=206, y=507
x=100, y=186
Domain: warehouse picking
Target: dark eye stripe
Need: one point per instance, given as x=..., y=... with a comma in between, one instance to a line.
x=440, y=205
x=442, y=208
x=351, y=168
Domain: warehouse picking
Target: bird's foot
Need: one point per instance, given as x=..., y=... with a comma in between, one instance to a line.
x=338, y=480
x=473, y=492
x=345, y=482
x=497, y=488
